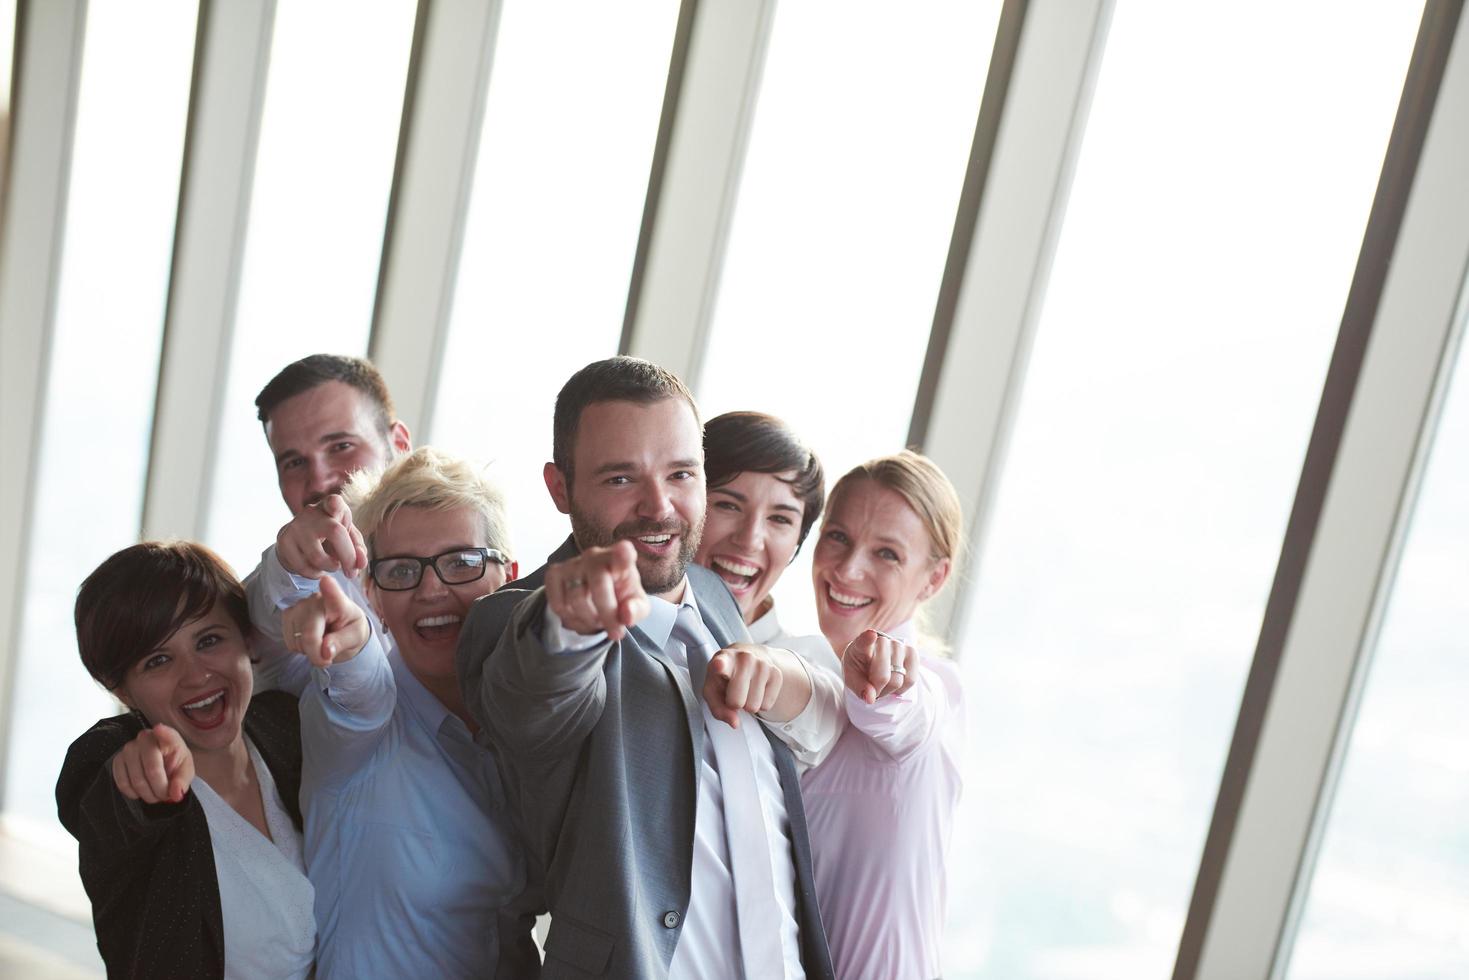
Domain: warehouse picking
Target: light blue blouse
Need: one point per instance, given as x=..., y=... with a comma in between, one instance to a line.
x=408, y=839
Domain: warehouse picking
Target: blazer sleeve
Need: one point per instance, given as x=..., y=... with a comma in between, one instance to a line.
x=536, y=707
x=93, y=810
x=148, y=868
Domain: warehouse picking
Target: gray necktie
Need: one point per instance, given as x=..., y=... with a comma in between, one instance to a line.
x=744, y=816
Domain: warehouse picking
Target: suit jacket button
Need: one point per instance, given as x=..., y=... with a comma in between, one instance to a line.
x=670, y=919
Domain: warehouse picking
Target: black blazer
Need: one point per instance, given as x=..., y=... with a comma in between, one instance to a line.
x=601, y=761
x=149, y=868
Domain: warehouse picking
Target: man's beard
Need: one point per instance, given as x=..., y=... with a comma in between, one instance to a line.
x=659, y=575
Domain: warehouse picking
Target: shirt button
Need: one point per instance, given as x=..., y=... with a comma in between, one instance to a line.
x=670, y=919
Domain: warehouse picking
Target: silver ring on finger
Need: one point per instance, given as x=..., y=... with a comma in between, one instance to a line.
x=572, y=584
x=895, y=669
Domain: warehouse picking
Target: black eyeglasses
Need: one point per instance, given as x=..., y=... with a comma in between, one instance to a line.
x=459, y=567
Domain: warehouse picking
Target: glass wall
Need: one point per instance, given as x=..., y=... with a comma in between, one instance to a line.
x=843, y=221
x=98, y=416
x=1390, y=893
x=1210, y=239
x=576, y=91
x=323, y=173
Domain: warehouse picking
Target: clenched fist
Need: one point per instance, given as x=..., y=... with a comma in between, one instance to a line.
x=321, y=539
x=155, y=767
x=598, y=591
x=327, y=627
x=876, y=665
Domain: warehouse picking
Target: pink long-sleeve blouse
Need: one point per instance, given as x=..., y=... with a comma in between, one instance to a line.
x=880, y=810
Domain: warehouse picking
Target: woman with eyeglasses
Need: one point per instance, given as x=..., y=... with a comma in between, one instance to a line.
x=408, y=838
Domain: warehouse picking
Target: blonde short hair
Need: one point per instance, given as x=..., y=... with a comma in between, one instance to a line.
x=432, y=480
x=925, y=488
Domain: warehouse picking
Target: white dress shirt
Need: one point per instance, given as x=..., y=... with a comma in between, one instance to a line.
x=265, y=899
x=709, y=942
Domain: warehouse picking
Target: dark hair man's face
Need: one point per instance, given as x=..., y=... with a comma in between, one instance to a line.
x=321, y=437
x=639, y=475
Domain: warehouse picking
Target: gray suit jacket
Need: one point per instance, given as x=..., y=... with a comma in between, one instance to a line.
x=601, y=757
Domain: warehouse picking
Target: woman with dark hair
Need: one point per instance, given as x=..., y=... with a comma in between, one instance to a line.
x=185, y=808
x=765, y=491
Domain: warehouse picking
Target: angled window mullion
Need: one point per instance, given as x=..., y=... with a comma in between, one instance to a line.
x=49, y=38
x=232, y=58
x=1345, y=527
x=1026, y=142
x=714, y=80
x=438, y=146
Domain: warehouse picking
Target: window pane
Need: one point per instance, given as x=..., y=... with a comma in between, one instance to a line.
x=1390, y=894
x=323, y=172
x=121, y=204
x=845, y=212
x=572, y=115
x=1208, y=246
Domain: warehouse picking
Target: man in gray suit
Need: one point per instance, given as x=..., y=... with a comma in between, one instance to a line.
x=613, y=683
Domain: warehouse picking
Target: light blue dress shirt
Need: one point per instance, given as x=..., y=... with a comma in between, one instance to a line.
x=408, y=839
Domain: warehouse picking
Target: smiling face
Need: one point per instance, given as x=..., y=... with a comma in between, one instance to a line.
x=873, y=564
x=324, y=435
x=638, y=474
x=197, y=681
x=425, y=620
x=750, y=535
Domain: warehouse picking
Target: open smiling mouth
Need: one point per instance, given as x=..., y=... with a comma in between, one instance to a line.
x=206, y=712
x=845, y=601
x=738, y=575
x=656, y=545
x=444, y=626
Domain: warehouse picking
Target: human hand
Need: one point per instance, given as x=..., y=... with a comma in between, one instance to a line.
x=742, y=677
x=321, y=539
x=327, y=627
x=598, y=590
x=155, y=767
x=876, y=665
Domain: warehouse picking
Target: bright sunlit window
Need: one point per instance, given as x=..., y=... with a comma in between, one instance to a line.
x=1390, y=895
x=1209, y=242
x=323, y=171
x=845, y=211
x=576, y=92
x=123, y=197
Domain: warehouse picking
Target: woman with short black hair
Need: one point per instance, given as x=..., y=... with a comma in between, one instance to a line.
x=185, y=808
x=765, y=491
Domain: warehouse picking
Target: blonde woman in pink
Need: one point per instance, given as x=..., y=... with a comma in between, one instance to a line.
x=880, y=807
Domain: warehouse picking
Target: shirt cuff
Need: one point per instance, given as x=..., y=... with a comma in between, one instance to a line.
x=557, y=638
x=816, y=726
x=284, y=588
x=347, y=678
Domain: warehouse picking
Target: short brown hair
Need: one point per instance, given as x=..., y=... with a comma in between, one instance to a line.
x=318, y=369
x=753, y=442
x=135, y=600
x=616, y=379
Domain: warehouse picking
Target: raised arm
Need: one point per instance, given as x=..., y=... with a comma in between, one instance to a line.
x=351, y=693
x=811, y=733
x=893, y=698
x=121, y=788
x=305, y=551
x=531, y=663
